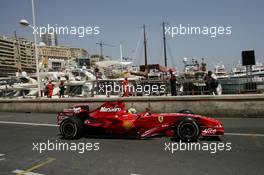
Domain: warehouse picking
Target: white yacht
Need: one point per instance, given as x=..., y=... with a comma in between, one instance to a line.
x=220, y=71
x=240, y=71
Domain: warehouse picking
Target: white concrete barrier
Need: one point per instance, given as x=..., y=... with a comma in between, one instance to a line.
x=212, y=106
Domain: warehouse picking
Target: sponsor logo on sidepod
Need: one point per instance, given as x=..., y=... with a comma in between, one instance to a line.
x=105, y=109
x=209, y=131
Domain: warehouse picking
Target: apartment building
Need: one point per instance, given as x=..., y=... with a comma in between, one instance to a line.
x=16, y=55
x=19, y=55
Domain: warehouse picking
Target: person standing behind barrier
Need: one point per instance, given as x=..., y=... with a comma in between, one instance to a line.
x=42, y=88
x=43, y=85
x=50, y=89
x=211, y=83
x=62, y=89
x=173, y=84
x=133, y=91
x=125, y=87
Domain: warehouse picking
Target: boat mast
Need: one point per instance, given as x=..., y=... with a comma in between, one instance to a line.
x=101, y=50
x=121, y=57
x=164, y=43
x=18, y=64
x=145, y=47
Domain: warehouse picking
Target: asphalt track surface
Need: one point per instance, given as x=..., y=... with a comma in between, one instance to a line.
x=125, y=156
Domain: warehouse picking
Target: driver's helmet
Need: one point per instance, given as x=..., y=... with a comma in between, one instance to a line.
x=132, y=111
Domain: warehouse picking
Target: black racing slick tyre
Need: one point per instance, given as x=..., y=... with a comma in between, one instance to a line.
x=72, y=128
x=186, y=111
x=187, y=130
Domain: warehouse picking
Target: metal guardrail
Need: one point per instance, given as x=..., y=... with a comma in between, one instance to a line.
x=157, y=88
x=241, y=86
x=186, y=87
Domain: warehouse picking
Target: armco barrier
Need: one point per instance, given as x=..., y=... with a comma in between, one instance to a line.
x=212, y=106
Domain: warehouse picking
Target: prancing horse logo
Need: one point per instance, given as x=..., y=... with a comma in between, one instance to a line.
x=160, y=119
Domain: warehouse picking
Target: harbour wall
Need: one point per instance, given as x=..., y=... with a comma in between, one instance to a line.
x=211, y=106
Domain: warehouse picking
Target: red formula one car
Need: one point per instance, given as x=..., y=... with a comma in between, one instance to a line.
x=112, y=118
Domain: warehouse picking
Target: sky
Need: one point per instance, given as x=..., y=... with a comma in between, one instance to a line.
x=121, y=21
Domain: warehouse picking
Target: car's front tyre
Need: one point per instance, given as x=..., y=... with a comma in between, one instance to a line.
x=71, y=128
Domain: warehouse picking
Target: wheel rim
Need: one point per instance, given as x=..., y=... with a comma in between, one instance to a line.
x=68, y=129
x=187, y=130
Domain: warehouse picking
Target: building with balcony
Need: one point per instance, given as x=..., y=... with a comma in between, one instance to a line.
x=79, y=53
x=19, y=55
x=54, y=57
x=16, y=55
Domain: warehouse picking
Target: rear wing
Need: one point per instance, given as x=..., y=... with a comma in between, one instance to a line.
x=63, y=115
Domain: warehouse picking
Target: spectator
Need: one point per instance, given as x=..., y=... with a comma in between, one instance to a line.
x=132, y=90
x=173, y=84
x=125, y=87
x=46, y=82
x=62, y=89
x=50, y=88
x=43, y=85
x=211, y=83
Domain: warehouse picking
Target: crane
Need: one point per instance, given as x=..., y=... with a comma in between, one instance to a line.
x=101, y=44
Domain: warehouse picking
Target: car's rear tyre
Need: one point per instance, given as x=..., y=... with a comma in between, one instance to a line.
x=187, y=130
x=186, y=111
x=72, y=128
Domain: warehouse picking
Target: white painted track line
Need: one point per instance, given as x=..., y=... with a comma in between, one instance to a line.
x=244, y=134
x=31, y=124
x=25, y=173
